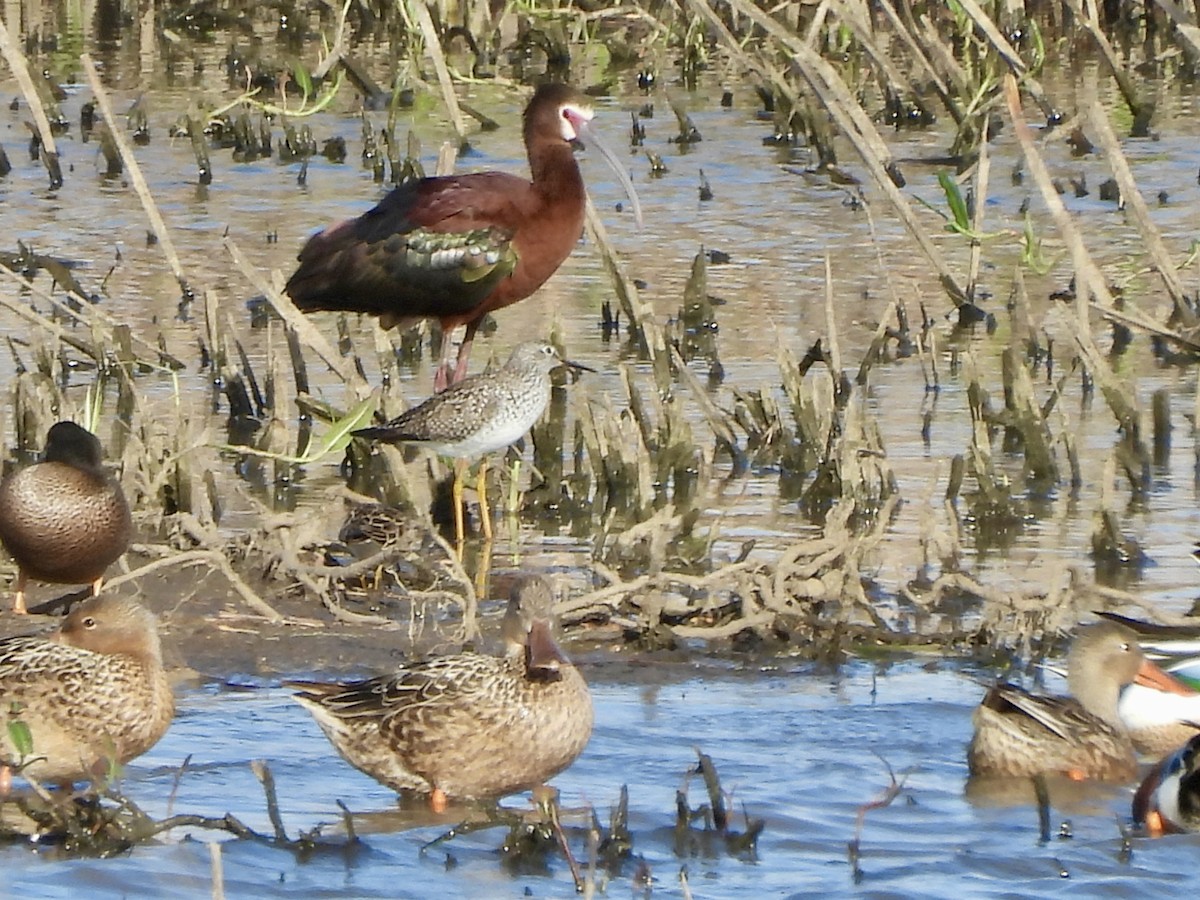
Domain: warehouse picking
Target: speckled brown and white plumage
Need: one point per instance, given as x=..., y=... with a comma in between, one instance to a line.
x=483, y=413
x=385, y=525
x=1019, y=734
x=64, y=520
x=469, y=726
x=93, y=692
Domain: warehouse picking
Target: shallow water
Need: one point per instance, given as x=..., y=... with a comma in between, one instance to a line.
x=798, y=748
x=803, y=751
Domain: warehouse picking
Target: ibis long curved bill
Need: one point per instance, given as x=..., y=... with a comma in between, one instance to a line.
x=589, y=138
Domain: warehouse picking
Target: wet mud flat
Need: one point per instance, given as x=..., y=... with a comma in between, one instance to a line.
x=842, y=418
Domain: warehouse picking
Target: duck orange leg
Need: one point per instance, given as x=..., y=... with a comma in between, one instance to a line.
x=1154, y=824
x=19, y=599
x=438, y=801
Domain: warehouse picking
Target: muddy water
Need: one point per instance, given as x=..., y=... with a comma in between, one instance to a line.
x=797, y=748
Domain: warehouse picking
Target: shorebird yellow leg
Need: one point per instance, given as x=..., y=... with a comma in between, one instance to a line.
x=456, y=497
x=484, y=512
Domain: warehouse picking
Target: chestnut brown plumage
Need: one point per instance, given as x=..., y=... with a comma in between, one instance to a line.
x=455, y=248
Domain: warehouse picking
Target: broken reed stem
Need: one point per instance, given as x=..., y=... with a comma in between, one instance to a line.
x=639, y=313
x=309, y=334
x=216, y=560
x=835, y=353
x=983, y=167
x=433, y=46
x=16, y=62
x=86, y=313
x=1151, y=238
x=998, y=41
x=1184, y=26
x=1087, y=19
x=1089, y=279
x=337, y=46
x=846, y=112
x=928, y=70
x=718, y=421
x=263, y=773
x=52, y=328
x=157, y=225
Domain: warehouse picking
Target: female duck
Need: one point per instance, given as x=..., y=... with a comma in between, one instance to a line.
x=92, y=694
x=1020, y=734
x=65, y=519
x=465, y=726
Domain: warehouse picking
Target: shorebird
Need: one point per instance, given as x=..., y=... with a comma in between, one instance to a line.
x=478, y=416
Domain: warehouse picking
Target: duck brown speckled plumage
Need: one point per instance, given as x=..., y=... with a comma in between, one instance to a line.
x=91, y=693
x=64, y=520
x=1019, y=734
x=465, y=726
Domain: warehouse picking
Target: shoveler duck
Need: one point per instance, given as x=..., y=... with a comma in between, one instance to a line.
x=89, y=695
x=1161, y=708
x=1168, y=800
x=64, y=519
x=1019, y=734
x=466, y=726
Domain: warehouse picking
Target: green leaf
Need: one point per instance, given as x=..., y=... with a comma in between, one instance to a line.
x=21, y=737
x=303, y=79
x=336, y=439
x=960, y=219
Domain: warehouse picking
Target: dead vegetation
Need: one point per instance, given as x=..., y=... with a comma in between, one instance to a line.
x=637, y=471
x=101, y=821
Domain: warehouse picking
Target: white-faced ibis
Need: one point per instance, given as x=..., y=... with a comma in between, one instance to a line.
x=457, y=247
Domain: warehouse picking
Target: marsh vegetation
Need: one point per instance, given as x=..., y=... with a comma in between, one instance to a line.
x=902, y=360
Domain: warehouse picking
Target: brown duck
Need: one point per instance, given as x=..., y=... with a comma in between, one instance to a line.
x=465, y=726
x=91, y=694
x=1020, y=734
x=64, y=520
